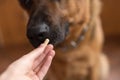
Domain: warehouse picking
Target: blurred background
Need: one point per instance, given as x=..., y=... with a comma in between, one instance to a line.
x=13, y=41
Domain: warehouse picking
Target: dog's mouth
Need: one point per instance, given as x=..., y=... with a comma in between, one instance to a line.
x=54, y=37
x=56, y=34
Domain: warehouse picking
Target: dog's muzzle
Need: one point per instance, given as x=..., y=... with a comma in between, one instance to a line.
x=40, y=28
x=37, y=34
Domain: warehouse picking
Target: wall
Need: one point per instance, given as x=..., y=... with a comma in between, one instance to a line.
x=111, y=17
x=12, y=23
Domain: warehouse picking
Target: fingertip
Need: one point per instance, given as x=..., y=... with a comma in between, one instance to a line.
x=52, y=53
x=51, y=46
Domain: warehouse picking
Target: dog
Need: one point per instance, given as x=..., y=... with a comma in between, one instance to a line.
x=74, y=28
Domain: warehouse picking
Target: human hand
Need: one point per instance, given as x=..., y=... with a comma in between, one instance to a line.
x=32, y=66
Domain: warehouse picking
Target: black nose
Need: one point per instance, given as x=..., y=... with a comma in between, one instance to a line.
x=39, y=32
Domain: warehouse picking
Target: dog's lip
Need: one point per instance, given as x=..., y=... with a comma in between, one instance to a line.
x=37, y=42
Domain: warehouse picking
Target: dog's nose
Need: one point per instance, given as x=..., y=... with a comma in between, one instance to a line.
x=38, y=32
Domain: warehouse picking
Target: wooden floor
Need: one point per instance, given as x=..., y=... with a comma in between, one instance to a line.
x=111, y=48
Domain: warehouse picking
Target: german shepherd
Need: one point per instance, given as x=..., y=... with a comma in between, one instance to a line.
x=74, y=28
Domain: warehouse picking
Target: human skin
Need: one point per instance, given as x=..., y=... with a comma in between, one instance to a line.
x=32, y=66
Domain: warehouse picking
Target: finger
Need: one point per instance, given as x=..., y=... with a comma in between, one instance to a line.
x=41, y=57
x=36, y=52
x=42, y=72
x=51, y=53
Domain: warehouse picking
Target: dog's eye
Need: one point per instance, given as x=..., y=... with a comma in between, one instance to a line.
x=27, y=4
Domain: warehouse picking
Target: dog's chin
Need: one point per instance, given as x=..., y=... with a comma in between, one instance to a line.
x=36, y=42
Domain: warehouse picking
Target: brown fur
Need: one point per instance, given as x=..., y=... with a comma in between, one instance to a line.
x=83, y=62
x=86, y=61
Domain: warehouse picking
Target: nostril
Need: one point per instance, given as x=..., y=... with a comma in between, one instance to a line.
x=38, y=32
x=43, y=28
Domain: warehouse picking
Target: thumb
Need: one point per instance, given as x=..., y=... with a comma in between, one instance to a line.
x=36, y=52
